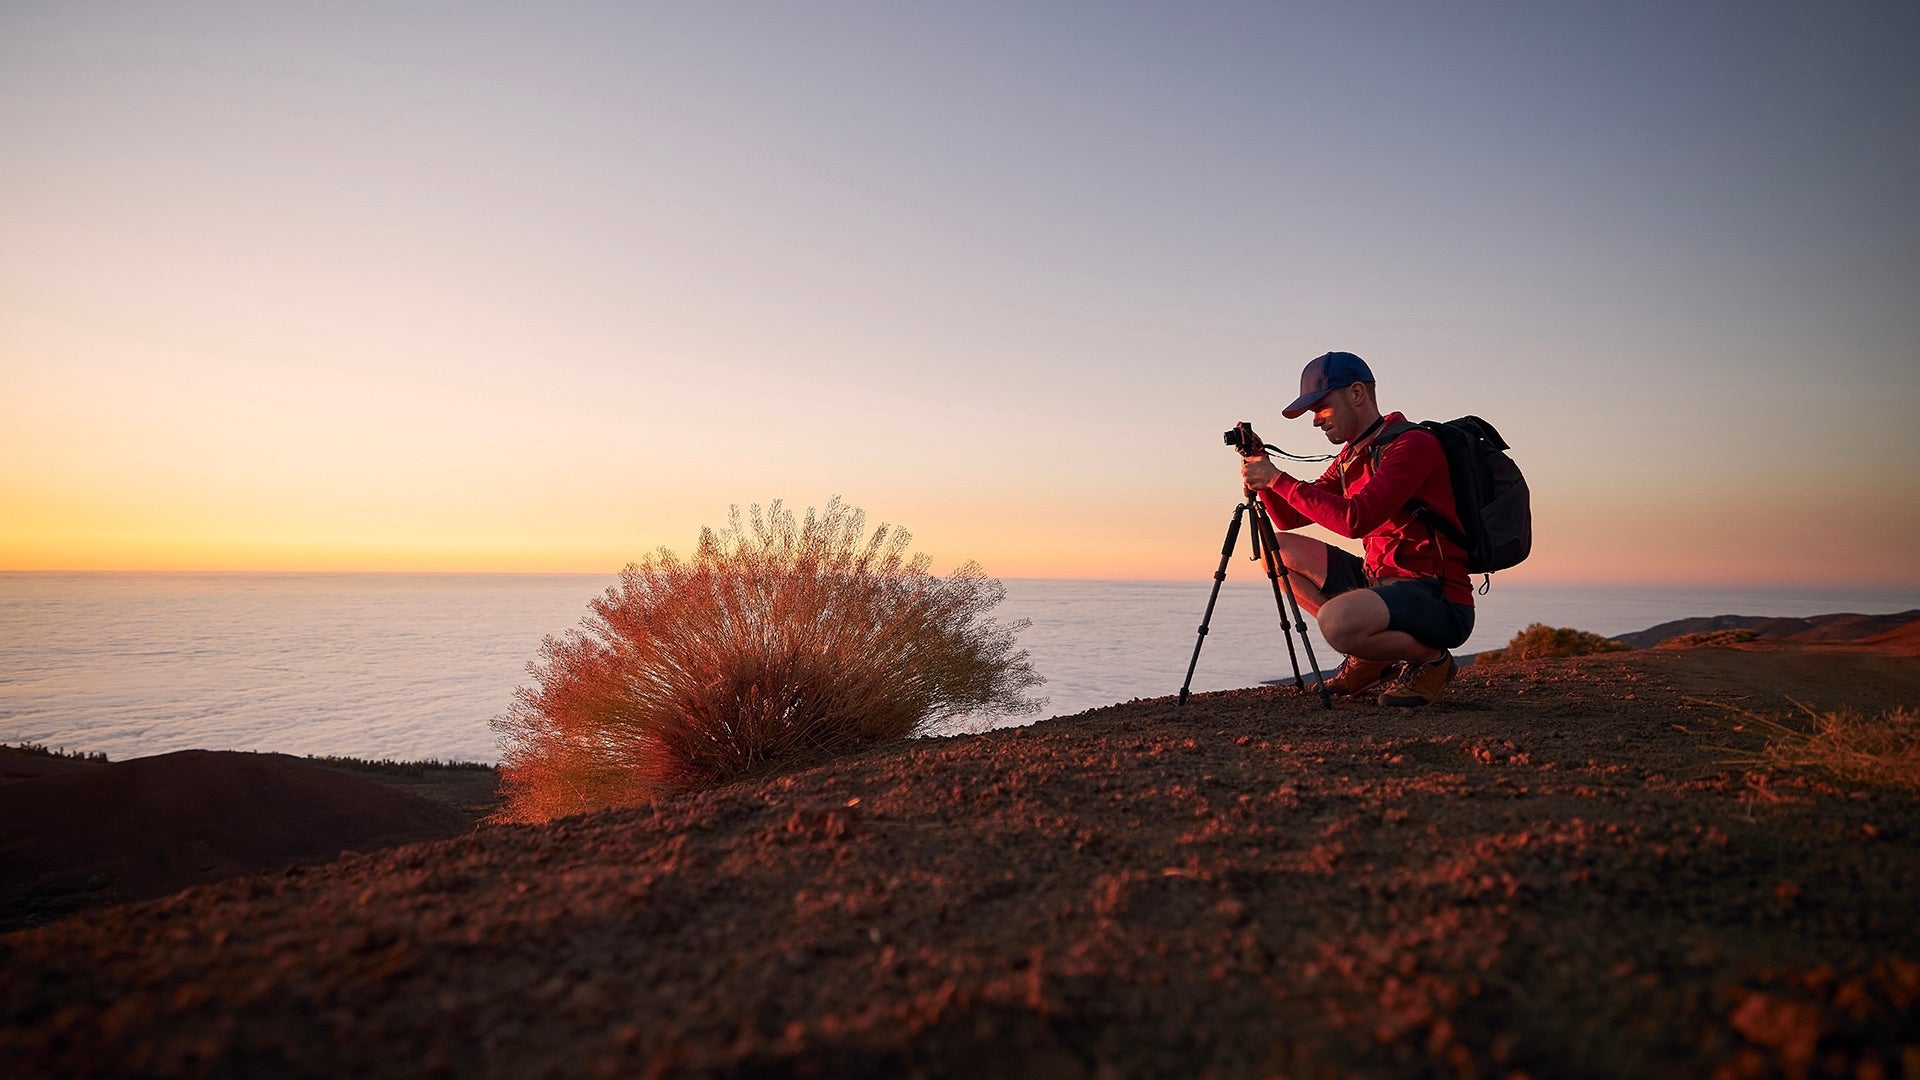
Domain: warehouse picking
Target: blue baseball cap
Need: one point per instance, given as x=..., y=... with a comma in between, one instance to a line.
x=1325, y=374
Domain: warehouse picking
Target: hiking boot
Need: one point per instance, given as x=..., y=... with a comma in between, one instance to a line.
x=1356, y=675
x=1420, y=684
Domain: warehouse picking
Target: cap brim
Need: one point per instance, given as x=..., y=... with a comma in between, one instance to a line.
x=1305, y=402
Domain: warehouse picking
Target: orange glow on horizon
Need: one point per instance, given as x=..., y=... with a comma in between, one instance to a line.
x=1194, y=559
x=503, y=515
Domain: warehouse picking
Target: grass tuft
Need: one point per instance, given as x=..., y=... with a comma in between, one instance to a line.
x=1879, y=751
x=781, y=640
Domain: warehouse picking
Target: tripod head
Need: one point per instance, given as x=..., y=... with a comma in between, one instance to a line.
x=1244, y=441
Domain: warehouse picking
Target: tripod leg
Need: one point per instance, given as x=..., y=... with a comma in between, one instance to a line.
x=1263, y=527
x=1219, y=576
x=1268, y=552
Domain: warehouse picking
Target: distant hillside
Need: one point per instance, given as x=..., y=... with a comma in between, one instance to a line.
x=1813, y=630
x=77, y=834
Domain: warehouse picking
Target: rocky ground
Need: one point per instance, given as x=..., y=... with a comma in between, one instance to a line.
x=1565, y=868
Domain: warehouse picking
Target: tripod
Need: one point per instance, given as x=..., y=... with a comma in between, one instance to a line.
x=1267, y=549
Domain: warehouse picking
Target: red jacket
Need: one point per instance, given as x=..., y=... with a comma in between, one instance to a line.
x=1355, y=499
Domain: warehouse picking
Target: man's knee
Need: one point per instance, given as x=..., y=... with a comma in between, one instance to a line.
x=1304, y=555
x=1352, y=617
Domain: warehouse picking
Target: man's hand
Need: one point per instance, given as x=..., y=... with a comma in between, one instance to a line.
x=1259, y=473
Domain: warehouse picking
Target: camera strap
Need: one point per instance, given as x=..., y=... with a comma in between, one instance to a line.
x=1371, y=428
x=1350, y=454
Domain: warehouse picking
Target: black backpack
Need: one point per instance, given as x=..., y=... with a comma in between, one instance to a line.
x=1488, y=490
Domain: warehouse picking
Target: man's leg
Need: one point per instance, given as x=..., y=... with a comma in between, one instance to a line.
x=1339, y=574
x=1320, y=570
x=1356, y=624
x=1306, y=560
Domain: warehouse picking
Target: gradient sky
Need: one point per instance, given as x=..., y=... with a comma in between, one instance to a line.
x=461, y=286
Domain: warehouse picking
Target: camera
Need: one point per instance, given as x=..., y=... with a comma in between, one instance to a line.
x=1244, y=441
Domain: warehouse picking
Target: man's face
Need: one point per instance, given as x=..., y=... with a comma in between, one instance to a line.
x=1338, y=414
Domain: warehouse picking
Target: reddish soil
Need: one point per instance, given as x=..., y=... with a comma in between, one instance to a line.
x=1564, y=868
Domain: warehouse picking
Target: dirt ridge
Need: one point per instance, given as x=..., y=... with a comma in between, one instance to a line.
x=1562, y=869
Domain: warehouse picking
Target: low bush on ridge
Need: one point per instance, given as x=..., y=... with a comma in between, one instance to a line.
x=399, y=768
x=1706, y=639
x=1540, y=642
x=40, y=750
x=778, y=641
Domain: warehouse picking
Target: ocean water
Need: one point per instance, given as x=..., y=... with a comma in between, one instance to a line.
x=414, y=666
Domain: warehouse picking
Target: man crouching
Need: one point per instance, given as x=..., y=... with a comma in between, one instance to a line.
x=1397, y=612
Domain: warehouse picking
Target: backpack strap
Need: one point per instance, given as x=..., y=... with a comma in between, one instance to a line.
x=1387, y=435
x=1379, y=444
x=1422, y=511
x=1436, y=525
x=1434, y=521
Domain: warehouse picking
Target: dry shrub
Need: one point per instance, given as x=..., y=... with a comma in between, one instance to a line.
x=779, y=641
x=1882, y=750
x=1541, y=642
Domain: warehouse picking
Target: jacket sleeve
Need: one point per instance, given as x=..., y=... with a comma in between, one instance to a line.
x=1286, y=517
x=1405, y=465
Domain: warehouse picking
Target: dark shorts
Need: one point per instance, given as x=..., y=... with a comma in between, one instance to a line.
x=1415, y=606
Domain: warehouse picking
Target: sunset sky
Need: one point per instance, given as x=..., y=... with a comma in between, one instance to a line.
x=543, y=287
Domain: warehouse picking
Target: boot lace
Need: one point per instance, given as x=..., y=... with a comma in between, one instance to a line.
x=1409, y=672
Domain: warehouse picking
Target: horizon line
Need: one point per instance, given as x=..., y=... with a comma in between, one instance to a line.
x=1801, y=585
